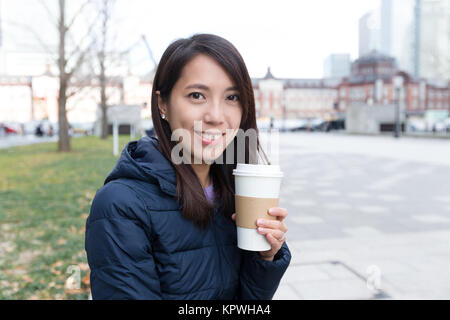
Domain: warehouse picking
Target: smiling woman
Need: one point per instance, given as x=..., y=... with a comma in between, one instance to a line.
x=203, y=79
x=159, y=229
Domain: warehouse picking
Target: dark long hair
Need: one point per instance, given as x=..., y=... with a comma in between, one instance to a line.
x=190, y=195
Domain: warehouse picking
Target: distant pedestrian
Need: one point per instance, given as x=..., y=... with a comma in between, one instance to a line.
x=39, y=131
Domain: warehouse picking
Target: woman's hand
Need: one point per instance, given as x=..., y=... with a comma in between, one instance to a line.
x=275, y=231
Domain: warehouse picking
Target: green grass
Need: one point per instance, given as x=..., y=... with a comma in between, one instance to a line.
x=45, y=198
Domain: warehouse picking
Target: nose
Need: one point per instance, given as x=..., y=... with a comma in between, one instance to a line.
x=214, y=113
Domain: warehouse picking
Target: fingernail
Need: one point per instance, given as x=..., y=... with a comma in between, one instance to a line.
x=260, y=221
x=261, y=229
x=271, y=210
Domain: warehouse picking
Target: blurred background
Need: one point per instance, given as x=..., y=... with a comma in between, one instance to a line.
x=358, y=90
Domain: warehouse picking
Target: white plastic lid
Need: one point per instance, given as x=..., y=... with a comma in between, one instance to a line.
x=259, y=170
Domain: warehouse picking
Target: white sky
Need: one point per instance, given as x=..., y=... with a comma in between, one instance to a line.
x=293, y=37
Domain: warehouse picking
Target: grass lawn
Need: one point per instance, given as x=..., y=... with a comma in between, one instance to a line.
x=45, y=198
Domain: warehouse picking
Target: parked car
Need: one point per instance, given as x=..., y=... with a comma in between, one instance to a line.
x=446, y=124
x=78, y=129
x=318, y=125
x=441, y=126
x=10, y=130
x=6, y=129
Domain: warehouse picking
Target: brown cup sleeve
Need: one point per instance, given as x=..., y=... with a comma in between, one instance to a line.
x=249, y=209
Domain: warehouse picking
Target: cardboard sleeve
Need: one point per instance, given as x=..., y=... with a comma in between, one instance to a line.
x=249, y=209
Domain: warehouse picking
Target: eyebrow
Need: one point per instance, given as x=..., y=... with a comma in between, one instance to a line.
x=206, y=88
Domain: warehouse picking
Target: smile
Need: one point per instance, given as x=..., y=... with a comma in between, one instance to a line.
x=208, y=138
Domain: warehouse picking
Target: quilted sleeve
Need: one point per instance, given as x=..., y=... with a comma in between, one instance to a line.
x=118, y=247
x=259, y=278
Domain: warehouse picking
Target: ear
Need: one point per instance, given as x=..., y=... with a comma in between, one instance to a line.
x=162, y=106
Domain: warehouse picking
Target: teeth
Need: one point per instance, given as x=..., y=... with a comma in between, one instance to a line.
x=211, y=137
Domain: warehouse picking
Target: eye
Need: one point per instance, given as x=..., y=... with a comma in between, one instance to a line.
x=233, y=97
x=196, y=95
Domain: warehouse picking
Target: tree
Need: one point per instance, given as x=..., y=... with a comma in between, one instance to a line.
x=66, y=49
x=106, y=7
x=66, y=72
x=108, y=59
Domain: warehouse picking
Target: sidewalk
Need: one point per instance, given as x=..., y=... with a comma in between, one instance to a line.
x=366, y=212
x=17, y=140
x=400, y=266
x=418, y=135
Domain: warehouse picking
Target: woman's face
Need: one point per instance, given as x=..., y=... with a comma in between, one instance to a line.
x=206, y=105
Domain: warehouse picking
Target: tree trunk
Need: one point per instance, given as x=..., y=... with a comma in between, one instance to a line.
x=103, y=104
x=102, y=76
x=63, y=131
x=104, y=108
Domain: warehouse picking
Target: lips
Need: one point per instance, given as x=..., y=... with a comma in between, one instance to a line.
x=209, y=137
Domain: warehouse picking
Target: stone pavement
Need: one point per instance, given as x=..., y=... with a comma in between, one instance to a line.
x=369, y=266
x=18, y=140
x=369, y=217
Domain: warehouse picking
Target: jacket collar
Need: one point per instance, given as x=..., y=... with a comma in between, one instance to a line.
x=142, y=160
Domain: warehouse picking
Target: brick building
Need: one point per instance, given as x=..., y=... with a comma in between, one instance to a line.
x=295, y=98
x=371, y=82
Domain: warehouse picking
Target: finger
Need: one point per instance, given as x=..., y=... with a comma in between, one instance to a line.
x=272, y=224
x=274, y=242
x=233, y=216
x=280, y=213
x=277, y=234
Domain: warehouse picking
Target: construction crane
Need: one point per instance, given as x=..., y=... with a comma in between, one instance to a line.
x=150, y=53
x=147, y=46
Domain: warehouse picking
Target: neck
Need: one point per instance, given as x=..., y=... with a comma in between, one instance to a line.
x=202, y=171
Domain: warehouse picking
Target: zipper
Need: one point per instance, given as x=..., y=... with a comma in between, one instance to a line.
x=218, y=252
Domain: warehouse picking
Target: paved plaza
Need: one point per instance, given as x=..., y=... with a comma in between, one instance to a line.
x=19, y=140
x=369, y=216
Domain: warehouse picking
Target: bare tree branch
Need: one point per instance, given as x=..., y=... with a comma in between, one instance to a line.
x=86, y=36
x=80, y=10
x=80, y=60
x=42, y=43
x=50, y=14
x=75, y=90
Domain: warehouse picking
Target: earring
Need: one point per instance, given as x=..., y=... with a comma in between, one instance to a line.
x=163, y=116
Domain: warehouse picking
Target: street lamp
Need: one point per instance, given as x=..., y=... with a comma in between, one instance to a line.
x=283, y=105
x=397, y=83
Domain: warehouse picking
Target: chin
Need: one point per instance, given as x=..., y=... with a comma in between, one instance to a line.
x=207, y=157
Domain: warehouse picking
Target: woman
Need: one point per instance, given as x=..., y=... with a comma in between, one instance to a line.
x=160, y=230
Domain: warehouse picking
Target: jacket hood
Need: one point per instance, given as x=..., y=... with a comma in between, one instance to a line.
x=142, y=160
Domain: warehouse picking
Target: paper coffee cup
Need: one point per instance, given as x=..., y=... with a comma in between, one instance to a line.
x=257, y=189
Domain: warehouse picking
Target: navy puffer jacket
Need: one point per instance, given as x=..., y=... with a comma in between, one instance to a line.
x=140, y=247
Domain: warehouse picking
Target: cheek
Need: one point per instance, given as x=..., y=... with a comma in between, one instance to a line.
x=234, y=118
x=181, y=115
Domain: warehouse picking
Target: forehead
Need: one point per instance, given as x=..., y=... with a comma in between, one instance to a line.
x=205, y=70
